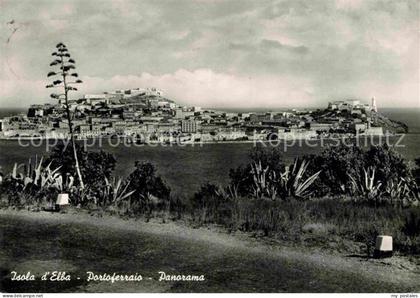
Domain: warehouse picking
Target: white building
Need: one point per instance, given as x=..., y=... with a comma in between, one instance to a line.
x=374, y=131
x=373, y=106
x=188, y=126
x=343, y=104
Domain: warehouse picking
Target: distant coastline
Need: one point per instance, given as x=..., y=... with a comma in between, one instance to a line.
x=143, y=115
x=319, y=138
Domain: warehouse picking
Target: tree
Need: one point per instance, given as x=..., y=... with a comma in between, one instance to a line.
x=145, y=181
x=389, y=163
x=66, y=66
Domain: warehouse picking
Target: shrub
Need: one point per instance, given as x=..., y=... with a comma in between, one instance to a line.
x=416, y=175
x=295, y=180
x=388, y=163
x=113, y=192
x=412, y=223
x=336, y=164
x=94, y=165
x=267, y=176
x=150, y=191
x=416, y=170
x=350, y=169
x=242, y=178
x=366, y=185
x=31, y=184
x=145, y=181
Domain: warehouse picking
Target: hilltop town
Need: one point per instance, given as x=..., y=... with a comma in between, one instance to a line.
x=145, y=115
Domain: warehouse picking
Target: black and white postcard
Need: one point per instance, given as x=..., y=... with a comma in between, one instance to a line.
x=209, y=146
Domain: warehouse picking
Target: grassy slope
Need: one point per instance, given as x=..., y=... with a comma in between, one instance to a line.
x=76, y=243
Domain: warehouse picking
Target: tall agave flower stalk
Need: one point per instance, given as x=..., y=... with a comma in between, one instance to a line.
x=65, y=79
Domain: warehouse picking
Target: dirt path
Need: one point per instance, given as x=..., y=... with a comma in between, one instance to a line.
x=77, y=243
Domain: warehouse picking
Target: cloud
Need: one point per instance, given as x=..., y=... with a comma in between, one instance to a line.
x=19, y=93
x=349, y=4
x=206, y=88
x=203, y=87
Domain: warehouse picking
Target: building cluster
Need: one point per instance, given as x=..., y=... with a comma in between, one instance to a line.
x=145, y=115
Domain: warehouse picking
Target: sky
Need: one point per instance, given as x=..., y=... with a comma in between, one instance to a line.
x=215, y=53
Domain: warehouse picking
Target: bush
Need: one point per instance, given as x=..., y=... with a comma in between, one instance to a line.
x=31, y=196
x=141, y=193
x=346, y=169
x=150, y=191
x=412, y=223
x=267, y=176
x=388, y=163
x=378, y=174
x=31, y=184
x=145, y=182
x=416, y=171
x=242, y=178
x=94, y=165
x=336, y=163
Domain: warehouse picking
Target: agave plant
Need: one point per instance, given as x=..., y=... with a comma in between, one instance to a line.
x=272, y=185
x=79, y=196
x=232, y=191
x=292, y=180
x=401, y=189
x=114, y=191
x=64, y=186
x=366, y=184
x=43, y=177
x=260, y=178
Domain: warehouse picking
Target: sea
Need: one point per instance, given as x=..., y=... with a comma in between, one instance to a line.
x=186, y=168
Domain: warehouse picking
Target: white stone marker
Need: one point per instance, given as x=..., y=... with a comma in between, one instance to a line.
x=62, y=199
x=383, y=247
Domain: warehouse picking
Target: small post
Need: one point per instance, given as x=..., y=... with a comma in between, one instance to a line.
x=383, y=248
x=62, y=201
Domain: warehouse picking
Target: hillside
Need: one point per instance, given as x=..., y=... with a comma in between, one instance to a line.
x=377, y=119
x=391, y=125
x=142, y=98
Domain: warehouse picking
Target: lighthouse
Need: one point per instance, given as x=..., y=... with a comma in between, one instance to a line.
x=373, y=105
